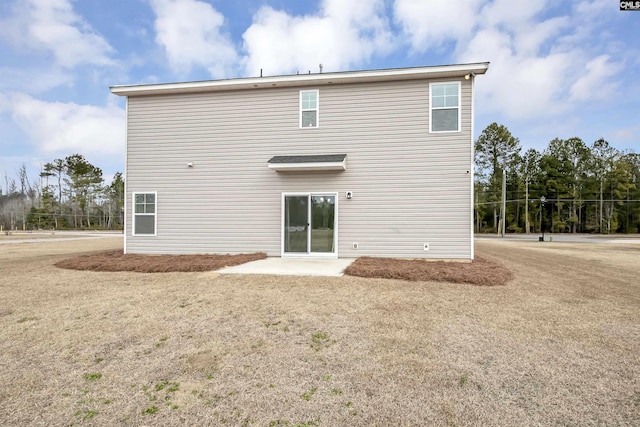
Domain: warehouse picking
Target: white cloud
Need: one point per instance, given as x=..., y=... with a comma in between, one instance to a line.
x=57, y=128
x=340, y=35
x=631, y=133
x=594, y=9
x=190, y=32
x=510, y=14
x=520, y=86
x=540, y=66
x=531, y=38
x=595, y=81
x=32, y=80
x=428, y=24
x=53, y=26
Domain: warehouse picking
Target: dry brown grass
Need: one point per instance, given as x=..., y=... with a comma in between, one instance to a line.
x=479, y=272
x=118, y=261
x=558, y=345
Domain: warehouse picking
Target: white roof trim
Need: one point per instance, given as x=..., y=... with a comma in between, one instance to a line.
x=440, y=71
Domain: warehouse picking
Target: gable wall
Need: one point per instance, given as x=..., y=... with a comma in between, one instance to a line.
x=409, y=186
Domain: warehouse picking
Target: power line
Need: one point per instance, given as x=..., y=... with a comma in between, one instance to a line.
x=536, y=200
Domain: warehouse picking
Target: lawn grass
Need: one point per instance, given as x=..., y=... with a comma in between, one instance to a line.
x=557, y=345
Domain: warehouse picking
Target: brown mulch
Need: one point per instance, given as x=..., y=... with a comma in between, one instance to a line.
x=118, y=261
x=481, y=271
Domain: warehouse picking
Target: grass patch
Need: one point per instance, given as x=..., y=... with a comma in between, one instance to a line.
x=318, y=340
x=118, y=261
x=150, y=410
x=308, y=395
x=92, y=376
x=167, y=386
x=481, y=271
x=463, y=380
x=163, y=391
x=161, y=341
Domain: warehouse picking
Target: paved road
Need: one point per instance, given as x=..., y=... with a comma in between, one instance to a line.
x=55, y=237
x=575, y=238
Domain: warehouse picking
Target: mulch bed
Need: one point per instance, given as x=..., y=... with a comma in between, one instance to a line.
x=118, y=261
x=481, y=271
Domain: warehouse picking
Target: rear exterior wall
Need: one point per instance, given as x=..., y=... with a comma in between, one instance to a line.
x=409, y=187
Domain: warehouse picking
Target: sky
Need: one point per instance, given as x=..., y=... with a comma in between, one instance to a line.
x=558, y=69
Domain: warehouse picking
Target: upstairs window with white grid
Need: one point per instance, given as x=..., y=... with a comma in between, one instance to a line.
x=444, y=106
x=309, y=108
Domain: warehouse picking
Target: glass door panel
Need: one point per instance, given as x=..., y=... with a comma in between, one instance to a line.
x=322, y=223
x=296, y=224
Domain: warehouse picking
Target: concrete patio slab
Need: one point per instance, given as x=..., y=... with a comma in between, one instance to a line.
x=292, y=267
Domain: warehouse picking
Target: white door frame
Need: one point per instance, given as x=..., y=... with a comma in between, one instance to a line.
x=309, y=254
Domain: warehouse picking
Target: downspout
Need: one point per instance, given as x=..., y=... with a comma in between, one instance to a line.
x=472, y=166
x=126, y=180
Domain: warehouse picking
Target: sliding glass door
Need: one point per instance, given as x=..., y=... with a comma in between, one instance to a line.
x=309, y=224
x=296, y=224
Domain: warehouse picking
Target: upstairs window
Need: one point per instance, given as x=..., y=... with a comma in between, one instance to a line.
x=309, y=108
x=144, y=214
x=444, y=107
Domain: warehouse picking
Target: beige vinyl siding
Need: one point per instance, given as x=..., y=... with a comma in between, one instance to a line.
x=410, y=187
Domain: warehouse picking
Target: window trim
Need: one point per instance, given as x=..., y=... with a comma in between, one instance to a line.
x=134, y=214
x=317, y=109
x=459, y=107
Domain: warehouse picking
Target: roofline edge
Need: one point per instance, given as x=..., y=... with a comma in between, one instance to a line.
x=339, y=77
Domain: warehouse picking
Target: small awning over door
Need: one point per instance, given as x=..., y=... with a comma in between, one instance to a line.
x=320, y=162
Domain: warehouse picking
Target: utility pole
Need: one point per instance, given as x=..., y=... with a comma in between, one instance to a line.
x=601, y=207
x=526, y=204
x=477, y=215
x=542, y=200
x=504, y=202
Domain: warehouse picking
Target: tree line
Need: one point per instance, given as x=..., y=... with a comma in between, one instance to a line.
x=587, y=188
x=69, y=194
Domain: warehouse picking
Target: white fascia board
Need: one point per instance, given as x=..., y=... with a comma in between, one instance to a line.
x=301, y=80
x=320, y=166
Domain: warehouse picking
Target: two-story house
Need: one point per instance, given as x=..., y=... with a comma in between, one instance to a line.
x=348, y=164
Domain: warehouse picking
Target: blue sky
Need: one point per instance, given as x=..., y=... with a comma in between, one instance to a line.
x=558, y=69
